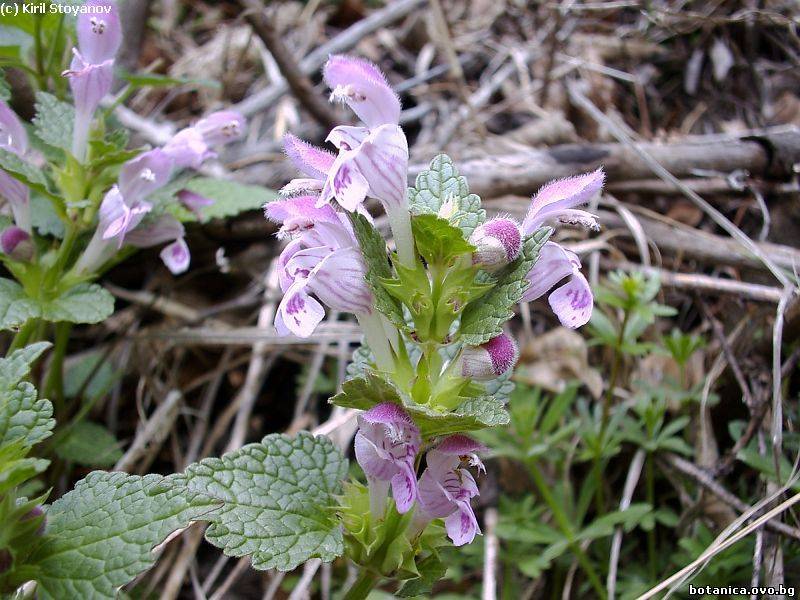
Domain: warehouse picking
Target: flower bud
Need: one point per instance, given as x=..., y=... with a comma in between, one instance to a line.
x=16, y=243
x=497, y=242
x=489, y=360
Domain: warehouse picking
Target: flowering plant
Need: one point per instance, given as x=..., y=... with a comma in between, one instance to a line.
x=435, y=365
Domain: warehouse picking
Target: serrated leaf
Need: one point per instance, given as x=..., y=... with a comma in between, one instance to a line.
x=54, y=121
x=24, y=171
x=44, y=217
x=23, y=416
x=473, y=414
x=90, y=445
x=15, y=306
x=84, y=303
x=15, y=367
x=437, y=240
x=431, y=569
x=483, y=319
x=441, y=183
x=373, y=248
x=102, y=534
x=276, y=497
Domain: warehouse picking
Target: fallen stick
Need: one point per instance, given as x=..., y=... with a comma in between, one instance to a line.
x=767, y=154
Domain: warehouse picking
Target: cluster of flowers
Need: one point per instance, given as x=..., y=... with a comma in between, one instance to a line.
x=123, y=211
x=322, y=261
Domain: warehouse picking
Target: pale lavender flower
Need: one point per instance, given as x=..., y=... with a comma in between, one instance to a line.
x=191, y=146
x=16, y=243
x=489, y=360
x=176, y=256
x=14, y=139
x=124, y=206
x=386, y=446
x=572, y=302
x=91, y=71
x=323, y=259
x=556, y=201
x=372, y=160
x=446, y=487
x=497, y=242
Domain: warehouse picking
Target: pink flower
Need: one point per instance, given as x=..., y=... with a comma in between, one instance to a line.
x=311, y=161
x=497, y=242
x=446, y=487
x=372, y=160
x=490, y=360
x=323, y=258
x=91, y=71
x=557, y=201
x=386, y=446
x=14, y=139
x=194, y=202
x=572, y=302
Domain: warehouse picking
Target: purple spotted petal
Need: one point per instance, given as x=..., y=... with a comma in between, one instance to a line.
x=298, y=313
x=573, y=302
x=386, y=446
x=221, y=127
x=553, y=265
x=311, y=160
x=363, y=87
x=462, y=526
x=144, y=174
x=556, y=197
x=99, y=31
x=176, y=256
x=339, y=280
x=13, y=137
x=345, y=183
x=298, y=214
x=383, y=161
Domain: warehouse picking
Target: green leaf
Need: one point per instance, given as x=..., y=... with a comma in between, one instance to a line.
x=441, y=183
x=373, y=248
x=54, y=121
x=85, y=303
x=90, y=445
x=93, y=374
x=277, y=500
x=24, y=171
x=473, y=414
x=103, y=533
x=44, y=217
x=22, y=415
x=437, y=240
x=15, y=306
x=482, y=320
x=230, y=197
x=156, y=80
x=431, y=569
x=17, y=366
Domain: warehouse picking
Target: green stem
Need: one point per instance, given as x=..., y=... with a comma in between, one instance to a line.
x=650, y=480
x=23, y=335
x=608, y=397
x=39, y=56
x=366, y=581
x=54, y=384
x=563, y=522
